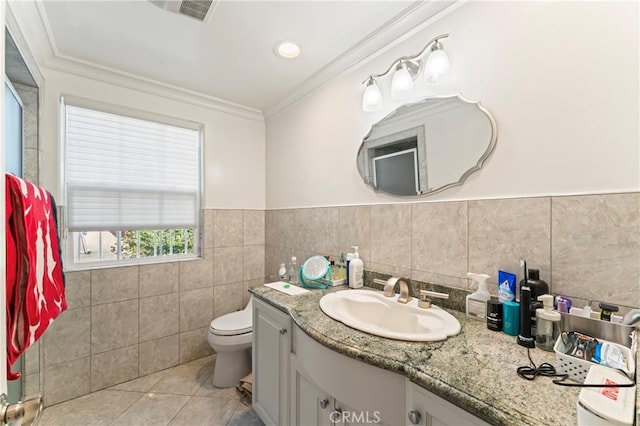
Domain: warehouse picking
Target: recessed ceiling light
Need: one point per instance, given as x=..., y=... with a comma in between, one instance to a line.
x=286, y=49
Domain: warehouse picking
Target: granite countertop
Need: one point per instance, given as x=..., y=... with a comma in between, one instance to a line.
x=476, y=370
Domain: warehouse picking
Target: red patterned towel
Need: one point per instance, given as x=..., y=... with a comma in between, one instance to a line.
x=35, y=281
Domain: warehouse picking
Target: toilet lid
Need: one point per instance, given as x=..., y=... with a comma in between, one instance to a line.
x=233, y=323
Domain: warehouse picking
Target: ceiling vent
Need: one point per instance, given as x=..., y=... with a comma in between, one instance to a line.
x=198, y=9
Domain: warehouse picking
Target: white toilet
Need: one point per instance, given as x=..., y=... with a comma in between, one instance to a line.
x=230, y=336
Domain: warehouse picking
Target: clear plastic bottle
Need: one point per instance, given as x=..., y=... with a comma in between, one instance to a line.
x=282, y=273
x=293, y=271
x=548, y=328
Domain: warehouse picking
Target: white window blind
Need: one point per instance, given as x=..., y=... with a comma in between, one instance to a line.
x=127, y=173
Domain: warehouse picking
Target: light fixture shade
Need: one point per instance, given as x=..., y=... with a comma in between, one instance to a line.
x=402, y=84
x=437, y=66
x=372, y=97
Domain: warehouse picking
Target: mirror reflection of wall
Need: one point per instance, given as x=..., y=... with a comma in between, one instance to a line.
x=450, y=138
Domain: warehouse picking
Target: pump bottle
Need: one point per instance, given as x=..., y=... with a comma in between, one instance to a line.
x=356, y=270
x=548, y=328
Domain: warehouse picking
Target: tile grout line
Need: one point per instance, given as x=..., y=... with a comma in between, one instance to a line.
x=551, y=244
x=181, y=408
x=138, y=373
x=468, y=241
x=90, y=327
x=238, y=403
x=126, y=409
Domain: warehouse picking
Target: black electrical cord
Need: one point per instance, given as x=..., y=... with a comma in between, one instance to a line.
x=530, y=372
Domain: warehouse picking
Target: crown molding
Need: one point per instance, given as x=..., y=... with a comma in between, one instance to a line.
x=31, y=19
x=119, y=78
x=399, y=28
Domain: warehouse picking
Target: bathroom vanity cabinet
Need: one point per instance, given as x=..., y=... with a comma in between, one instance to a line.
x=299, y=381
x=270, y=363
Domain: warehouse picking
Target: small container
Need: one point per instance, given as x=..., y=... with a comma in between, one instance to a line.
x=511, y=318
x=494, y=315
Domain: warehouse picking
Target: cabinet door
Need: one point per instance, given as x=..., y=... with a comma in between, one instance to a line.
x=431, y=410
x=271, y=348
x=310, y=405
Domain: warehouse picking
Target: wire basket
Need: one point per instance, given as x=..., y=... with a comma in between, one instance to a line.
x=577, y=368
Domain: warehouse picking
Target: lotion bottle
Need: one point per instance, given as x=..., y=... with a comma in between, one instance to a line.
x=356, y=270
x=477, y=302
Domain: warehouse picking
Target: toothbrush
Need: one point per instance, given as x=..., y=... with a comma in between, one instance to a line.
x=523, y=265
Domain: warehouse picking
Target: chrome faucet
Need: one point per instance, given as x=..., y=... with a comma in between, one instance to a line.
x=405, y=289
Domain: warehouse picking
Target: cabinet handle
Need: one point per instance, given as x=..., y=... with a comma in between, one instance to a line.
x=324, y=403
x=283, y=331
x=415, y=417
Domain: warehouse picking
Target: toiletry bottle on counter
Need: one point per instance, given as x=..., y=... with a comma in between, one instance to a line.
x=349, y=258
x=282, y=273
x=356, y=270
x=293, y=271
x=477, y=302
x=537, y=288
x=606, y=310
x=548, y=327
x=511, y=318
x=494, y=315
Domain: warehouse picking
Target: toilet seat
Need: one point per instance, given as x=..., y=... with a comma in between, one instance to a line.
x=232, y=324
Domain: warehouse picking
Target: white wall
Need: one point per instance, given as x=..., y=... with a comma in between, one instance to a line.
x=234, y=147
x=560, y=78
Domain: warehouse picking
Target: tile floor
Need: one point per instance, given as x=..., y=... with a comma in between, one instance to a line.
x=182, y=395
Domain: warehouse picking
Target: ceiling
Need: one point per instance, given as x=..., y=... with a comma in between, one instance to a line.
x=230, y=55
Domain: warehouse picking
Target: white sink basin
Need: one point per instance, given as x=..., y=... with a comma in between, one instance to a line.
x=371, y=312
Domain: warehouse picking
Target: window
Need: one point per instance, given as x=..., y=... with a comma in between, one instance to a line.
x=132, y=187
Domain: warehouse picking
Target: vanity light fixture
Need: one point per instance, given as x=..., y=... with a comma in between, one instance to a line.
x=286, y=49
x=406, y=70
x=402, y=82
x=372, y=98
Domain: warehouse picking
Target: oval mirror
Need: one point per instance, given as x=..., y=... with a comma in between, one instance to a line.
x=428, y=146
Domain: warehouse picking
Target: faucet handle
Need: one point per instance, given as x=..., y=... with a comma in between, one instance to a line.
x=390, y=286
x=426, y=296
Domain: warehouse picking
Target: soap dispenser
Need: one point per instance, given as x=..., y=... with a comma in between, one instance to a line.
x=548, y=328
x=477, y=302
x=356, y=270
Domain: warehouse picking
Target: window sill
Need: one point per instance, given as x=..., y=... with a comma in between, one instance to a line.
x=133, y=262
